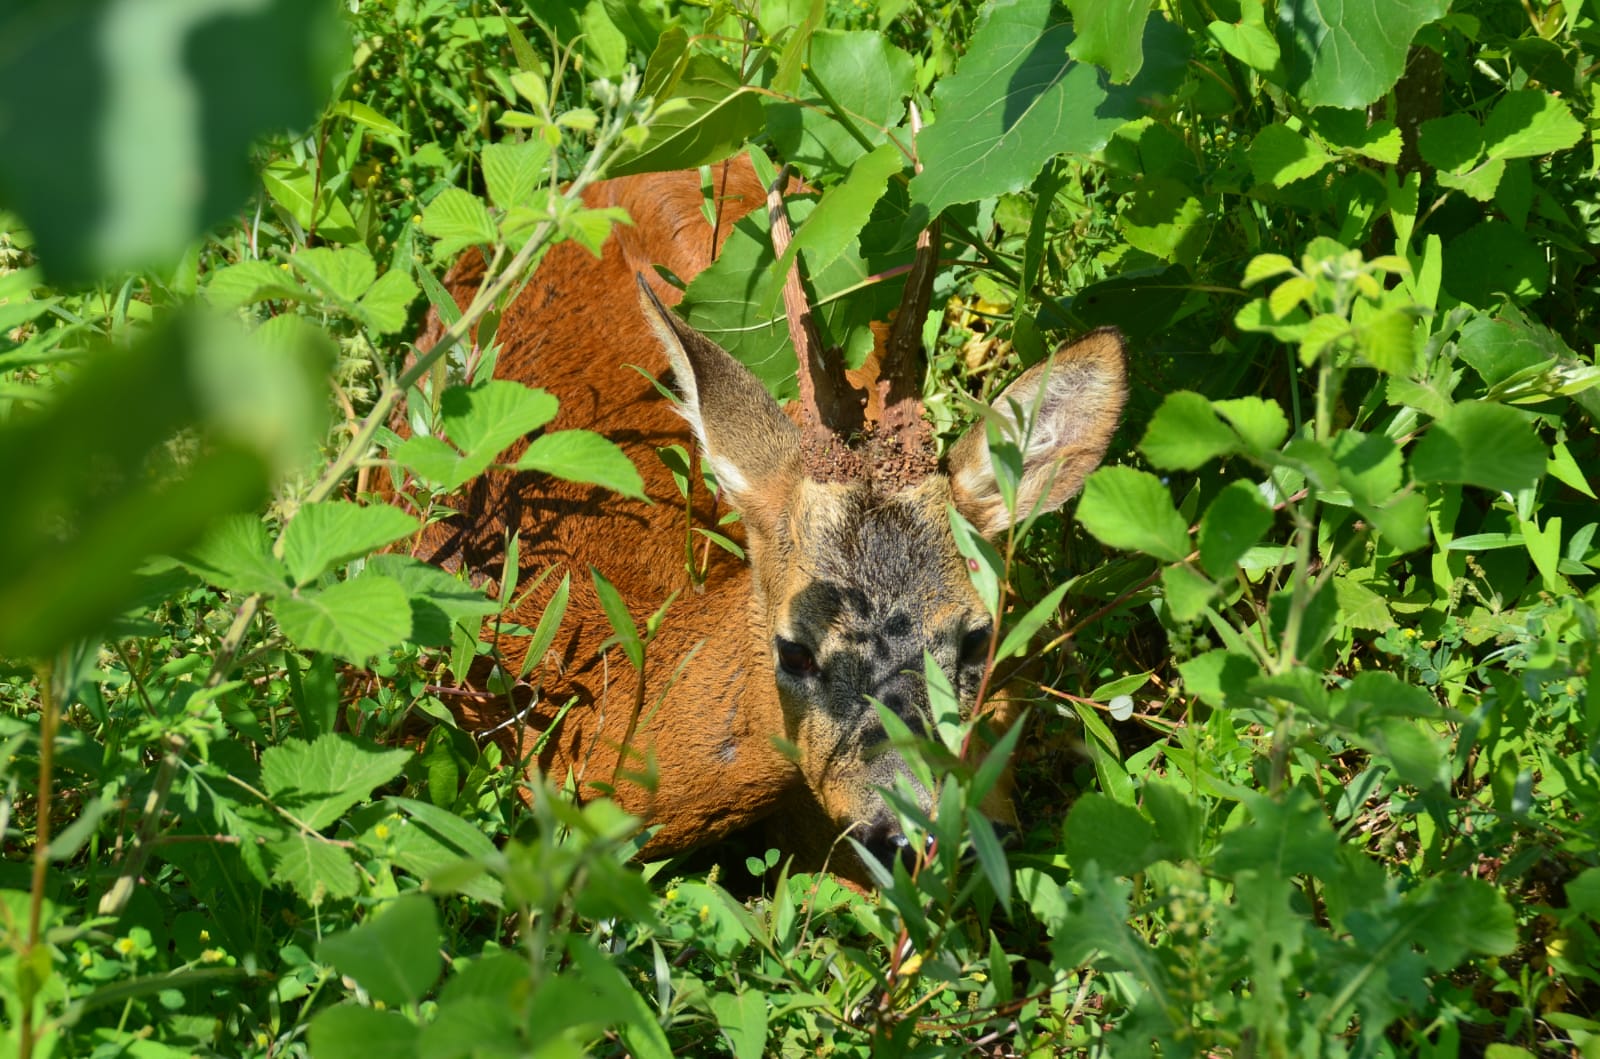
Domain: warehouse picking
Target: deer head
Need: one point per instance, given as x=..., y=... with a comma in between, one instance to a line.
x=855, y=568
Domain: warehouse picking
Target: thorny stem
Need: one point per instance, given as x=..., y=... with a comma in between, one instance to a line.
x=176, y=744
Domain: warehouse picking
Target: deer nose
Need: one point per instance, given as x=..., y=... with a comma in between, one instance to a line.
x=887, y=844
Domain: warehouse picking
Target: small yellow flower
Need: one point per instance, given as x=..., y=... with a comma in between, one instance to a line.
x=416, y=218
x=205, y=935
x=672, y=895
x=125, y=946
x=262, y=1040
x=1410, y=634
x=85, y=960
x=705, y=913
x=382, y=831
x=213, y=956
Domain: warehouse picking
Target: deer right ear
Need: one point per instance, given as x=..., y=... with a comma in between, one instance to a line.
x=1061, y=413
x=744, y=436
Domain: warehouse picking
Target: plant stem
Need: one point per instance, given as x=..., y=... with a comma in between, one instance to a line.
x=48, y=718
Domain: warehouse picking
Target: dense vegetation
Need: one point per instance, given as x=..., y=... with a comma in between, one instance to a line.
x=1314, y=767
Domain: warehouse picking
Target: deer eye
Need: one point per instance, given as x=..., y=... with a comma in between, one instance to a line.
x=975, y=645
x=796, y=659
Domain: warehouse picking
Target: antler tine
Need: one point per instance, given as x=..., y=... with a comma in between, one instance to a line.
x=831, y=410
x=904, y=362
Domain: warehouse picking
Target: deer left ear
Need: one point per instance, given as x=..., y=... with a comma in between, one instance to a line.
x=1061, y=414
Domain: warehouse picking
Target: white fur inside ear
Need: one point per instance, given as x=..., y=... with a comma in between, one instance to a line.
x=727, y=474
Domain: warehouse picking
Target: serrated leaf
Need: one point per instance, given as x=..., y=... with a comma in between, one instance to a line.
x=583, y=456
x=457, y=219
x=1385, y=341
x=343, y=274
x=485, y=419
x=1288, y=295
x=236, y=553
x=251, y=281
x=319, y=781
x=513, y=170
x=1260, y=423
x=1231, y=526
x=384, y=307
x=1012, y=103
x=1130, y=509
x=323, y=535
x=1361, y=607
x=315, y=867
x=1487, y=445
x=1186, y=434
x=394, y=955
x=1347, y=53
x=1162, y=218
x=354, y=620
x=1110, y=34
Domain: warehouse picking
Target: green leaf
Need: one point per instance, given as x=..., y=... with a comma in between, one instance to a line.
x=742, y=1017
x=385, y=307
x=1529, y=123
x=514, y=170
x=1487, y=445
x=323, y=535
x=1110, y=834
x=1260, y=423
x=1162, y=218
x=991, y=856
x=843, y=211
x=1231, y=526
x=318, y=782
x=704, y=112
x=866, y=77
x=616, y=611
x=316, y=868
x=343, y=274
x=351, y=1032
x=1012, y=104
x=251, y=281
x=1360, y=606
x=583, y=456
x=1499, y=347
x=1279, y=156
x=1187, y=591
x=92, y=490
x=314, y=209
x=127, y=153
x=1492, y=261
x=362, y=114
x=1348, y=53
x=236, y=553
x=1022, y=631
x=1417, y=754
x=394, y=955
x=1185, y=434
x=426, y=840
x=1110, y=34
x=352, y=619
x=438, y=598
x=485, y=419
x=457, y=219
x=1249, y=40
x=1131, y=509
x=1265, y=266
x=1385, y=341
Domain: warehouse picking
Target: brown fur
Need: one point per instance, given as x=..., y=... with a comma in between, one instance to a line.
x=867, y=582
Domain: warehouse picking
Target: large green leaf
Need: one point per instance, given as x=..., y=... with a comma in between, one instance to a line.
x=126, y=152
x=1488, y=445
x=1231, y=526
x=322, y=535
x=394, y=955
x=710, y=117
x=483, y=420
x=316, y=868
x=236, y=553
x=348, y=1031
x=1013, y=103
x=1348, y=53
x=1185, y=434
x=352, y=619
x=857, y=75
x=1110, y=34
x=1131, y=509
x=319, y=781
x=583, y=456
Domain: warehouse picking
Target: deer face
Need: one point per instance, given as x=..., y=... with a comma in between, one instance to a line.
x=855, y=580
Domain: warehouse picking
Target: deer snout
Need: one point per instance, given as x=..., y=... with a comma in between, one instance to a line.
x=887, y=843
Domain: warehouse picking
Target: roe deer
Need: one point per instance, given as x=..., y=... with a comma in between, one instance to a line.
x=853, y=569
